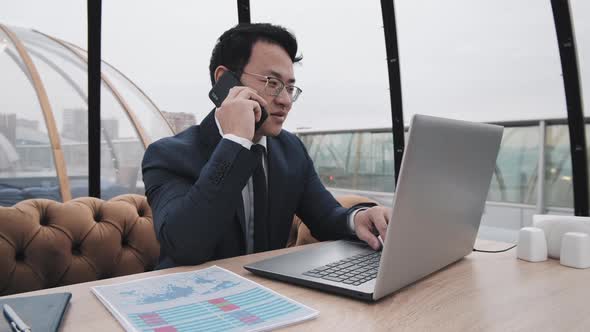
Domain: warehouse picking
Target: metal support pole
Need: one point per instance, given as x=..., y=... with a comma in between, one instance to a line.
x=571, y=82
x=94, y=34
x=395, y=87
x=243, y=11
x=541, y=168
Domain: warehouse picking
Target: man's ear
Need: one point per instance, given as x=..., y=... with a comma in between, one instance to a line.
x=220, y=70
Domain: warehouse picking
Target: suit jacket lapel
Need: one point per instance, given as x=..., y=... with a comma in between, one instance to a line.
x=210, y=137
x=242, y=218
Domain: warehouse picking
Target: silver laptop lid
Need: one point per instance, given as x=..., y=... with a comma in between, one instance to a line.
x=440, y=196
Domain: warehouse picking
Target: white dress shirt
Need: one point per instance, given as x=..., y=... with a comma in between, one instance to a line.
x=248, y=191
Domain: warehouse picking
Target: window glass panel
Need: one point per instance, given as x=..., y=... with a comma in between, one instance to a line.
x=64, y=76
x=558, y=169
x=27, y=169
x=487, y=61
x=64, y=79
x=331, y=156
x=377, y=167
x=175, y=75
x=353, y=161
x=165, y=48
x=152, y=121
x=121, y=146
x=515, y=175
x=481, y=61
x=345, y=86
x=63, y=19
x=580, y=8
x=343, y=74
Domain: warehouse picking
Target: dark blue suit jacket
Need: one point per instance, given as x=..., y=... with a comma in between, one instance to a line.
x=194, y=183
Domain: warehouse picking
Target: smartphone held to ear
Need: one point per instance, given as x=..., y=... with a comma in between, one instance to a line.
x=221, y=89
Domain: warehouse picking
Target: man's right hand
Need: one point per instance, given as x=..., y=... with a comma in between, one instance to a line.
x=239, y=111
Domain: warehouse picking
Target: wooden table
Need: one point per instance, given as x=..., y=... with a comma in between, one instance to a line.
x=482, y=292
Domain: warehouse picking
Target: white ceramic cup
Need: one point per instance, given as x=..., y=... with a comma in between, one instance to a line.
x=575, y=250
x=532, y=245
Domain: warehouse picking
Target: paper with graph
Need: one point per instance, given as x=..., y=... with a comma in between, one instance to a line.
x=212, y=299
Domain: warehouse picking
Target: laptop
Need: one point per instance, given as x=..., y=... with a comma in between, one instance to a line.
x=437, y=208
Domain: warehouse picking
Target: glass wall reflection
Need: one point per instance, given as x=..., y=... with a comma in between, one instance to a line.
x=343, y=73
x=558, y=168
x=515, y=176
x=363, y=161
x=27, y=168
x=355, y=160
x=44, y=150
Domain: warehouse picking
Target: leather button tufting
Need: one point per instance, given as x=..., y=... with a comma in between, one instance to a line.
x=44, y=220
x=79, y=240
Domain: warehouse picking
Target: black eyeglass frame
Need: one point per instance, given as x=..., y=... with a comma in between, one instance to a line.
x=277, y=91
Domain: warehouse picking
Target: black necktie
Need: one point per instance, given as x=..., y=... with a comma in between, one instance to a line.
x=260, y=203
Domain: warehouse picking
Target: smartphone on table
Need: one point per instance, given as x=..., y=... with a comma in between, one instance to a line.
x=221, y=89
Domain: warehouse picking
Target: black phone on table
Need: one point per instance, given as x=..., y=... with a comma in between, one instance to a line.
x=221, y=89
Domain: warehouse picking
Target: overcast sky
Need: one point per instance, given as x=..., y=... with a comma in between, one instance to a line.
x=468, y=59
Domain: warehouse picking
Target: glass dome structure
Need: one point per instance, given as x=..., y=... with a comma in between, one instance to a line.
x=44, y=122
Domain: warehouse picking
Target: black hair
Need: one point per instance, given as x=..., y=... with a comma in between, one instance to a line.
x=234, y=47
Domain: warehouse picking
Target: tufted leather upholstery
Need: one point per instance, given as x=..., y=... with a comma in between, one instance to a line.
x=44, y=243
x=301, y=235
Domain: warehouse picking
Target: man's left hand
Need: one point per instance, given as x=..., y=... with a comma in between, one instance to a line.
x=370, y=223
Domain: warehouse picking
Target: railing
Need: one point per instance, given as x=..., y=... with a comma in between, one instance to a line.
x=362, y=160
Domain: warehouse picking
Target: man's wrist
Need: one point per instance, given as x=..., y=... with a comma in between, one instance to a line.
x=351, y=217
x=246, y=143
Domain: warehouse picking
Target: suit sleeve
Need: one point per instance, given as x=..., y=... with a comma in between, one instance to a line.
x=190, y=218
x=318, y=209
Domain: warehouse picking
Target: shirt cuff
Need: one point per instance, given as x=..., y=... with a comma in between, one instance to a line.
x=246, y=143
x=351, y=219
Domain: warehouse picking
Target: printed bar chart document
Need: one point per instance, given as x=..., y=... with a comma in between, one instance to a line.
x=212, y=299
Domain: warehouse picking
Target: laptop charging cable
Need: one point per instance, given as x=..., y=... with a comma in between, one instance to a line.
x=494, y=251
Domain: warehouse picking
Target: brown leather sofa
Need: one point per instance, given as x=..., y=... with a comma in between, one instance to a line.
x=44, y=243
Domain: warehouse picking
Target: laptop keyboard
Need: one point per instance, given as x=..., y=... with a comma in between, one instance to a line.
x=354, y=270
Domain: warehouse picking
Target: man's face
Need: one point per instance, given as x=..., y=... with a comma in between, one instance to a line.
x=270, y=60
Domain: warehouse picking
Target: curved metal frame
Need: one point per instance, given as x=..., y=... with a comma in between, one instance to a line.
x=58, y=155
x=132, y=117
x=566, y=42
x=395, y=85
x=143, y=94
x=78, y=49
x=81, y=94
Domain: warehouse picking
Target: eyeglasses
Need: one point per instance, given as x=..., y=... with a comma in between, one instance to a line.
x=275, y=86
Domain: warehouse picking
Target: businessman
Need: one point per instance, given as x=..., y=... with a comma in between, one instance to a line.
x=222, y=189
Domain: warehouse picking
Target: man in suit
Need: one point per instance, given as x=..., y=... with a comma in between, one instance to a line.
x=222, y=189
